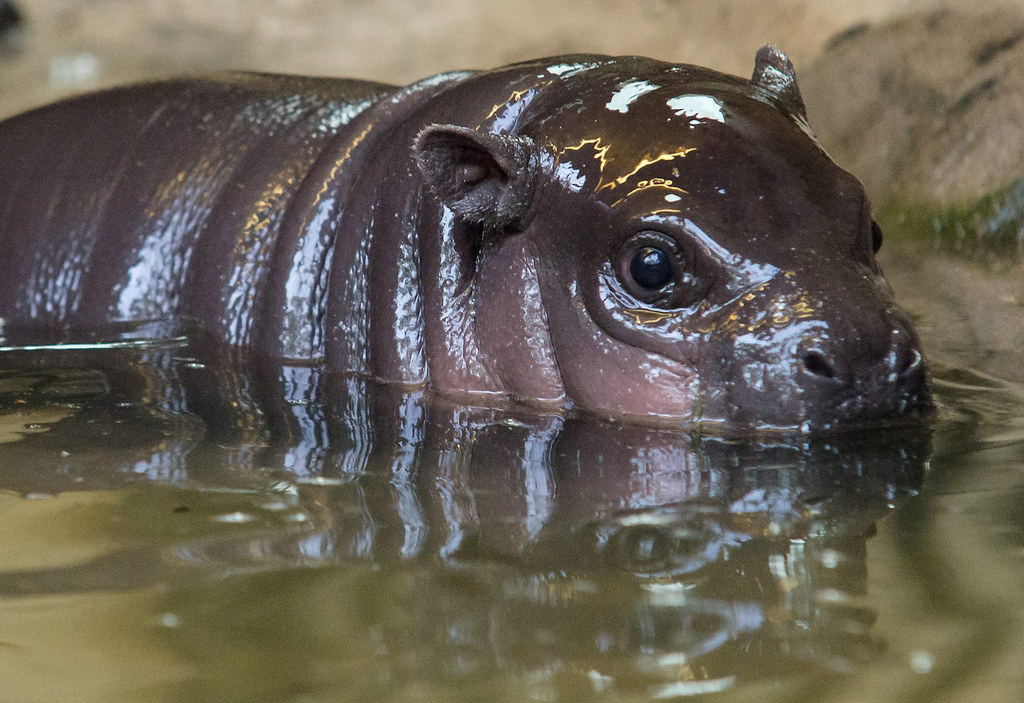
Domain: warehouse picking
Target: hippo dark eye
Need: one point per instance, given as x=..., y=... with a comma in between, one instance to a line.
x=650, y=268
x=876, y=236
x=656, y=270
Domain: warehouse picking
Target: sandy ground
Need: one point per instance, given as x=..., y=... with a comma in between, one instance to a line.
x=73, y=45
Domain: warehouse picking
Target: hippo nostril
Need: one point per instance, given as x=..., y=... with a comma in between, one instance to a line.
x=817, y=364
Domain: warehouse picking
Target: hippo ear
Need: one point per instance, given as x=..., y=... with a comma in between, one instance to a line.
x=483, y=178
x=774, y=72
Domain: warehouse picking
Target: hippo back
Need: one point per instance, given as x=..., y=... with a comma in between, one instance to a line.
x=161, y=202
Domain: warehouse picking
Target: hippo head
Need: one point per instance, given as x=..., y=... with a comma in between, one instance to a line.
x=698, y=256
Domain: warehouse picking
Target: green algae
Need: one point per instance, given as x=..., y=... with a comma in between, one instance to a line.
x=989, y=229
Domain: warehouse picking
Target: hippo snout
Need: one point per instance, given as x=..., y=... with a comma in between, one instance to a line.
x=842, y=367
x=844, y=379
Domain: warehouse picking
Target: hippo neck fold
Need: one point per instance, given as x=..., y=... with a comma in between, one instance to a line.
x=418, y=295
x=296, y=308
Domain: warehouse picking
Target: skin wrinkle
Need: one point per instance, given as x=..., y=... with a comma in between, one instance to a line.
x=300, y=123
x=454, y=358
x=214, y=170
x=530, y=258
x=559, y=363
x=302, y=288
x=38, y=301
x=542, y=354
x=485, y=362
x=541, y=325
x=222, y=169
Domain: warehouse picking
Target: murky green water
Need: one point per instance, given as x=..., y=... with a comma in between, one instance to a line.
x=179, y=525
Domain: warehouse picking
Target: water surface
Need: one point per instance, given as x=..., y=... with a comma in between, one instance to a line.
x=181, y=524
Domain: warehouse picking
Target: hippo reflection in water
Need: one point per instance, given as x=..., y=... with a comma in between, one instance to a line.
x=508, y=539
x=619, y=235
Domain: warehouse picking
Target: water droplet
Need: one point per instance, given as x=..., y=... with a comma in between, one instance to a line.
x=510, y=422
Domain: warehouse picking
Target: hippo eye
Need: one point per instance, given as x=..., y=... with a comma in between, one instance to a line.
x=650, y=268
x=876, y=236
x=656, y=270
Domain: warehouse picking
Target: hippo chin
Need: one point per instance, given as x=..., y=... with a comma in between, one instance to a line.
x=620, y=235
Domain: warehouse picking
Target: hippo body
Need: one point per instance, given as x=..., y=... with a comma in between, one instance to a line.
x=620, y=235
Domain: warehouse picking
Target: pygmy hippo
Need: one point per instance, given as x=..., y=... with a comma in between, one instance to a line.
x=620, y=235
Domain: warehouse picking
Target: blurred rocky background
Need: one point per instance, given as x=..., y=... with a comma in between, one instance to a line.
x=68, y=45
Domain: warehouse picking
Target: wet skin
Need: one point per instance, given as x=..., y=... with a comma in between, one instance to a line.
x=620, y=235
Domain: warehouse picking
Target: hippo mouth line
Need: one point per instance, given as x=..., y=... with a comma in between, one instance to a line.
x=812, y=398
x=919, y=414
